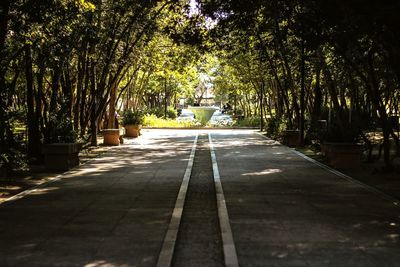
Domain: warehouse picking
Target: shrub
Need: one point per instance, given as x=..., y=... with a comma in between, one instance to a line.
x=248, y=122
x=151, y=120
x=132, y=117
x=159, y=112
x=275, y=126
x=172, y=113
x=61, y=129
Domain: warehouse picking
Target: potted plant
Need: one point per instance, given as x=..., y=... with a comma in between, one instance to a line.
x=340, y=147
x=61, y=148
x=278, y=127
x=112, y=135
x=291, y=138
x=132, y=121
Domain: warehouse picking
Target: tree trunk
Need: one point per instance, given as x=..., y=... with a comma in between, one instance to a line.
x=4, y=11
x=334, y=96
x=302, y=95
x=32, y=121
x=88, y=77
x=316, y=108
x=111, y=113
x=379, y=106
x=93, y=110
x=39, y=80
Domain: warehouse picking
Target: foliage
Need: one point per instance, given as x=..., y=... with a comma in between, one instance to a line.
x=171, y=113
x=275, y=127
x=14, y=160
x=132, y=117
x=153, y=121
x=159, y=112
x=248, y=122
x=334, y=134
x=301, y=58
x=61, y=129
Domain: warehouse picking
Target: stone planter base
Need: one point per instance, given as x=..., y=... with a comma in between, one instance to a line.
x=291, y=138
x=132, y=130
x=111, y=137
x=343, y=155
x=61, y=156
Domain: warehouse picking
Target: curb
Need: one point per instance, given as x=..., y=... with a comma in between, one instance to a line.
x=393, y=200
x=58, y=177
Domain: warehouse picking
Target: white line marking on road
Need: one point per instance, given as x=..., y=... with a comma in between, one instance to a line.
x=230, y=256
x=167, y=249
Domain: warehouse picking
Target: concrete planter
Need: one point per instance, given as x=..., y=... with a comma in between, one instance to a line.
x=342, y=155
x=111, y=137
x=132, y=130
x=291, y=138
x=61, y=156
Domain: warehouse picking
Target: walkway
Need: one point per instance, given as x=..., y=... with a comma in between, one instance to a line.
x=283, y=209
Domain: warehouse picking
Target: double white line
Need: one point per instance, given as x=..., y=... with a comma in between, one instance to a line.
x=167, y=250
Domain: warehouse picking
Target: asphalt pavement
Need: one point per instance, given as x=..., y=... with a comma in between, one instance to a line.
x=284, y=210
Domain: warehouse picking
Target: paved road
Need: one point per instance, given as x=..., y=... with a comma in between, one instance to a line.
x=284, y=210
x=113, y=211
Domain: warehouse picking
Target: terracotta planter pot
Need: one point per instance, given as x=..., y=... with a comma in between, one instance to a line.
x=343, y=155
x=111, y=137
x=291, y=138
x=61, y=156
x=132, y=130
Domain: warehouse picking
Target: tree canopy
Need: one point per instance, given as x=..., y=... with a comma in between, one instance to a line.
x=68, y=65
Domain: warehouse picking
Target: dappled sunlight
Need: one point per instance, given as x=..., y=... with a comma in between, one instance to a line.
x=133, y=160
x=110, y=263
x=10, y=187
x=103, y=263
x=248, y=141
x=44, y=190
x=280, y=254
x=263, y=172
x=99, y=263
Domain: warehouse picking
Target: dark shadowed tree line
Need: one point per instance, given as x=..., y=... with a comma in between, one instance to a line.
x=313, y=60
x=67, y=65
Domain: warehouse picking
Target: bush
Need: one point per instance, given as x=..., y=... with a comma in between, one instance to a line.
x=275, y=126
x=132, y=117
x=159, y=112
x=61, y=129
x=248, y=122
x=151, y=120
x=172, y=113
